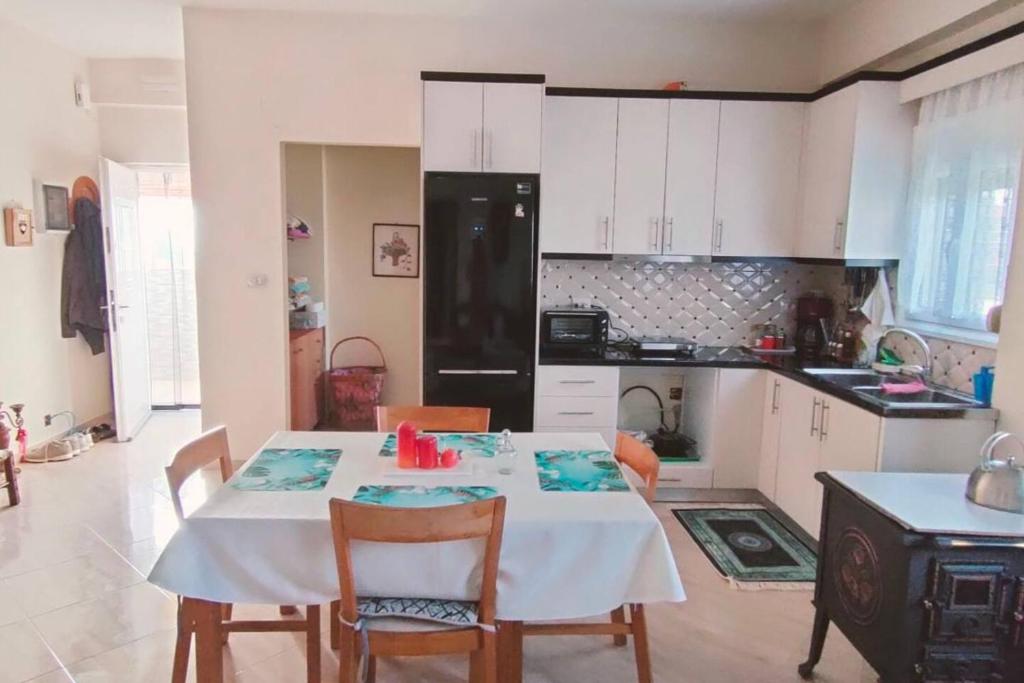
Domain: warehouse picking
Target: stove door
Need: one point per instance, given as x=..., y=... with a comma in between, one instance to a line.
x=969, y=602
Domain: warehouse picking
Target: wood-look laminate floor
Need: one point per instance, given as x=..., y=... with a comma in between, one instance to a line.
x=75, y=606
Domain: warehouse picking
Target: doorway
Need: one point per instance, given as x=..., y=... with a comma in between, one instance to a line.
x=167, y=230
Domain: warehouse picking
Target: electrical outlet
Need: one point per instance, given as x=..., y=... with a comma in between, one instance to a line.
x=675, y=394
x=47, y=420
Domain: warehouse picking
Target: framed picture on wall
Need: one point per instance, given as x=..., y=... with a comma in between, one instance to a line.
x=55, y=208
x=396, y=250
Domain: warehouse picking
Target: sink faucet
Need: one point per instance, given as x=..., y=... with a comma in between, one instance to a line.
x=926, y=366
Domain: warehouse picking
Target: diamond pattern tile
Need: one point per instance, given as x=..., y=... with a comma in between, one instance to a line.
x=953, y=363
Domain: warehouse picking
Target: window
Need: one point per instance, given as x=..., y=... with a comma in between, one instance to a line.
x=962, y=202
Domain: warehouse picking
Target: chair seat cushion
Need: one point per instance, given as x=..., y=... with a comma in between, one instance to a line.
x=382, y=613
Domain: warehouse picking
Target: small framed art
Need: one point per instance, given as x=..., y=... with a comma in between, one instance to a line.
x=56, y=213
x=396, y=250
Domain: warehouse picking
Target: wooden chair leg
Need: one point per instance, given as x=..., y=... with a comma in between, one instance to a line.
x=183, y=644
x=348, y=656
x=489, y=659
x=209, y=658
x=640, y=645
x=371, y=669
x=313, y=643
x=619, y=617
x=510, y=651
x=225, y=615
x=335, y=623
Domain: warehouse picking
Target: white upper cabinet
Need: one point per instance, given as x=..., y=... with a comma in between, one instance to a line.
x=512, y=127
x=856, y=161
x=640, y=176
x=690, y=177
x=474, y=127
x=453, y=114
x=757, y=187
x=578, y=175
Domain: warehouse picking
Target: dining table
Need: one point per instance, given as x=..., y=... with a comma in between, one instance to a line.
x=579, y=540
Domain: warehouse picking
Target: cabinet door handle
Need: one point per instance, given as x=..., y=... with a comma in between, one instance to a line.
x=716, y=243
x=837, y=236
x=490, y=149
x=654, y=234
x=775, y=397
x=576, y=381
x=826, y=410
x=605, y=222
x=668, y=234
x=576, y=412
x=476, y=141
x=814, y=416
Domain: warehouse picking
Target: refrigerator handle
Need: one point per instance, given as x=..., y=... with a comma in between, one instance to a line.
x=478, y=372
x=476, y=140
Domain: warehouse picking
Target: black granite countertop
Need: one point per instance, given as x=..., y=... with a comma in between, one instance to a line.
x=786, y=365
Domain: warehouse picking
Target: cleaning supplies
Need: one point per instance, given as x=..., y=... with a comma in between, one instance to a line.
x=983, y=381
x=915, y=387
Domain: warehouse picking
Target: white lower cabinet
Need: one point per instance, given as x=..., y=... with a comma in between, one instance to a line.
x=577, y=398
x=771, y=427
x=816, y=432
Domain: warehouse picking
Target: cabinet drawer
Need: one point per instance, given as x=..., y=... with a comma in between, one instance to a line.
x=577, y=411
x=577, y=380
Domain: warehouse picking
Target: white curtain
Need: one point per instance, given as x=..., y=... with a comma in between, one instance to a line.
x=963, y=193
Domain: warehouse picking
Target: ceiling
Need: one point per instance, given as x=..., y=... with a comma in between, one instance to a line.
x=152, y=28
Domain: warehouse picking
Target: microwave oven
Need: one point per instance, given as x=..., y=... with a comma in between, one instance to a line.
x=580, y=331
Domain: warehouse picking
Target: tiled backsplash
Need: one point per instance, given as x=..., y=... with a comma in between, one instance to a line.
x=713, y=304
x=719, y=303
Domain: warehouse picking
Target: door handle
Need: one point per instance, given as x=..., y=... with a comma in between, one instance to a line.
x=716, y=242
x=775, y=397
x=814, y=416
x=605, y=222
x=668, y=234
x=576, y=412
x=826, y=411
x=476, y=139
x=837, y=236
x=576, y=381
x=478, y=372
x=490, y=149
x=654, y=234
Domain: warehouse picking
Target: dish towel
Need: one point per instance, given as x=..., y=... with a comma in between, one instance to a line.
x=877, y=308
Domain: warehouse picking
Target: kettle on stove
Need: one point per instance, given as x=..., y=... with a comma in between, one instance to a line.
x=998, y=484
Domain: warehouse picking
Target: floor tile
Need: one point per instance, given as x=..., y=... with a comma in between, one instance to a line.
x=23, y=654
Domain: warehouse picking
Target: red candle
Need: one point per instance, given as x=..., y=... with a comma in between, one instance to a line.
x=406, y=437
x=426, y=452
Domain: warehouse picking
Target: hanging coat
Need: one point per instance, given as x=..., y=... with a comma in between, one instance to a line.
x=84, y=283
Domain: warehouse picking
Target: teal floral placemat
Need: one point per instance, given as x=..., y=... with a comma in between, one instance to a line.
x=288, y=469
x=579, y=471
x=481, y=445
x=408, y=496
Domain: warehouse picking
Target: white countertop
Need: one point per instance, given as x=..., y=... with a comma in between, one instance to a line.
x=930, y=503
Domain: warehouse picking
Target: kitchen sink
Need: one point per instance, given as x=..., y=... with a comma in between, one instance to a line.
x=868, y=384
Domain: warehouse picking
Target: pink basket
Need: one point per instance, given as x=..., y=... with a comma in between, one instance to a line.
x=356, y=391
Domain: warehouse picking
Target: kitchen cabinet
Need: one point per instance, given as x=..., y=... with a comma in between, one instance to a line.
x=578, y=174
x=306, y=370
x=640, y=176
x=771, y=428
x=690, y=177
x=856, y=166
x=577, y=398
x=758, y=177
x=482, y=127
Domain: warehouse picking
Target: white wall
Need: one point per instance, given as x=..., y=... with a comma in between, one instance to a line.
x=44, y=136
x=256, y=79
x=367, y=185
x=140, y=105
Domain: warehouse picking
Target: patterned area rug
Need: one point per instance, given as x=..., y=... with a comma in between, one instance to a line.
x=750, y=548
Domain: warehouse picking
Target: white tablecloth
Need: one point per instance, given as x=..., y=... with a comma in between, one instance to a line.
x=564, y=555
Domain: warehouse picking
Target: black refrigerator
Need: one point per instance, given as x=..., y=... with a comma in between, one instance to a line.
x=480, y=293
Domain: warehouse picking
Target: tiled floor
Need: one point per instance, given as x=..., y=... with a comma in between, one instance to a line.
x=75, y=605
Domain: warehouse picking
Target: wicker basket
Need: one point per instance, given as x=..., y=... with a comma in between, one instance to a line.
x=356, y=390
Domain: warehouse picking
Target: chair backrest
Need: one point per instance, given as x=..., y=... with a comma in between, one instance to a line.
x=377, y=524
x=196, y=454
x=641, y=459
x=434, y=418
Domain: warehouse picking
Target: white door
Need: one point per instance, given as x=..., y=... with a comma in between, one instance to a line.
x=757, y=188
x=849, y=437
x=690, y=177
x=825, y=170
x=453, y=119
x=640, y=176
x=771, y=428
x=578, y=195
x=126, y=298
x=512, y=127
x=797, y=492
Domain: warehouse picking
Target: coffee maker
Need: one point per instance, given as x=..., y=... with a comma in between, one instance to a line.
x=813, y=313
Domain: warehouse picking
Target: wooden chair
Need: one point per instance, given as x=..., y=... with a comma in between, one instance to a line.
x=371, y=637
x=644, y=461
x=209, y=447
x=434, y=418
x=10, y=478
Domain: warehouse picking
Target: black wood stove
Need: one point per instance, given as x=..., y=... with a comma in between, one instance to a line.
x=918, y=606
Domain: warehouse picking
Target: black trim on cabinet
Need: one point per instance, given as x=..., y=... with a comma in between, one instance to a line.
x=678, y=94
x=473, y=77
x=847, y=263
x=964, y=50
x=839, y=84
x=567, y=256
